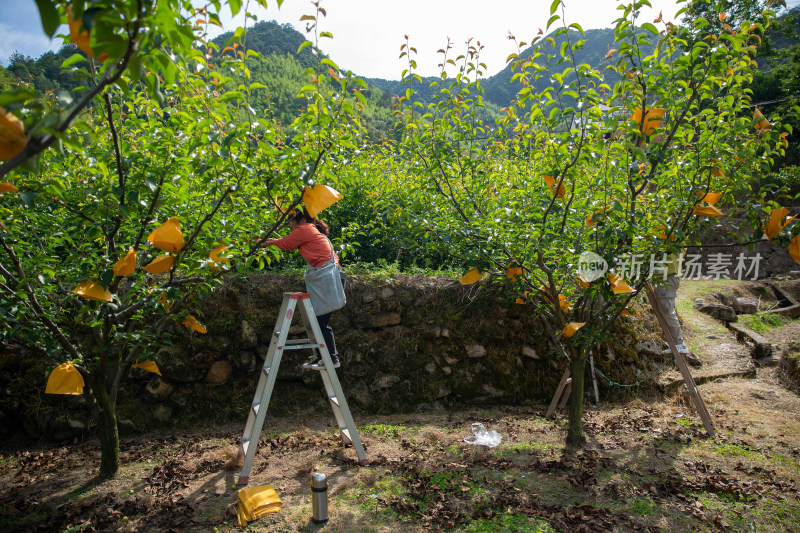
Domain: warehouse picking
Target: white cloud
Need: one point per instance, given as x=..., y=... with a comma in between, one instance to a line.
x=368, y=33
x=24, y=42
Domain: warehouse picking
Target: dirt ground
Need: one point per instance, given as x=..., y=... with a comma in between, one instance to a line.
x=648, y=466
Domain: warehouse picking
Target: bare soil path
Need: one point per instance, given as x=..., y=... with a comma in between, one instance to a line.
x=721, y=354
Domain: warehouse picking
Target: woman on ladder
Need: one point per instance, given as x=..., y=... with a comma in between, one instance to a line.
x=309, y=236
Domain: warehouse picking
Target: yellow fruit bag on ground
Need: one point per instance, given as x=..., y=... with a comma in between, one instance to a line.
x=255, y=502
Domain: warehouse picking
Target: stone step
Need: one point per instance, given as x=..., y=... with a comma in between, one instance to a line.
x=762, y=346
x=671, y=384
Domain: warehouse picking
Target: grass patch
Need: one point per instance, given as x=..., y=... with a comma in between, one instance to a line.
x=445, y=479
x=762, y=515
x=508, y=523
x=368, y=496
x=7, y=463
x=732, y=450
x=8, y=521
x=644, y=507
x=784, y=461
x=523, y=448
x=514, y=448
x=773, y=458
x=383, y=431
x=761, y=323
x=783, y=513
x=457, y=450
x=382, y=270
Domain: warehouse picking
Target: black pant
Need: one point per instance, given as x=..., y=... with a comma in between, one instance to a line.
x=327, y=332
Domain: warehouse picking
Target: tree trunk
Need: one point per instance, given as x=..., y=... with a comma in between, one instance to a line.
x=575, y=437
x=109, y=438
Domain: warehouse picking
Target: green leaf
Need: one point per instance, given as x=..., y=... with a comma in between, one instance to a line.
x=49, y=15
x=231, y=95
x=554, y=6
x=20, y=94
x=74, y=58
x=256, y=85
x=650, y=27
x=304, y=45
x=28, y=197
x=328, y=62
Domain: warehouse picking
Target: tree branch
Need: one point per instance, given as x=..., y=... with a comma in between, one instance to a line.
x=40, y=313
x=8, y=274
x=36, y=145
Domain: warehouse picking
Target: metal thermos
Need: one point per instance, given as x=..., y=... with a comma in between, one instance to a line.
x=319, y=498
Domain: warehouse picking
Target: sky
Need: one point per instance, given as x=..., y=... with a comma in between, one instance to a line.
x=368, y=34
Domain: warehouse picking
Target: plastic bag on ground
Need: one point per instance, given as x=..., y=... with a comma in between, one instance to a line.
x=483, y=437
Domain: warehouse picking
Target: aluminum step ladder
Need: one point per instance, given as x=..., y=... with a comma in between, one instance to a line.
x=266, y=382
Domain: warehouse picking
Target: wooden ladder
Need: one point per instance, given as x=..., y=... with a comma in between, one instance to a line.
x=565, y=387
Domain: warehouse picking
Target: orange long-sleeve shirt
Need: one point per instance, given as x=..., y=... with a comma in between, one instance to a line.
x=307, y=240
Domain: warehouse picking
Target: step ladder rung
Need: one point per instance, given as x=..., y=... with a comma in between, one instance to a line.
x=297, y=341
x=334, y=400
x=301, y=347
x=265, y=369
x=255, y=408
x=245, y=445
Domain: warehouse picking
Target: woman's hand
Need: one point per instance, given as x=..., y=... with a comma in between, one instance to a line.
x=256, y=242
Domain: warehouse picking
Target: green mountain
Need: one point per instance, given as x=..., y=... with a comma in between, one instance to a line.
x=281, y=70
x=500, y=90
x=45, y=72
x=271, y=38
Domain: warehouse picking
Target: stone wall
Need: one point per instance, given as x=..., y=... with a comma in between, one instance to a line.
x=775, y=259
x=406, y=344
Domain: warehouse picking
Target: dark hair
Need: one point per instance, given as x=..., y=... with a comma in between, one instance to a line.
x=303, y=216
